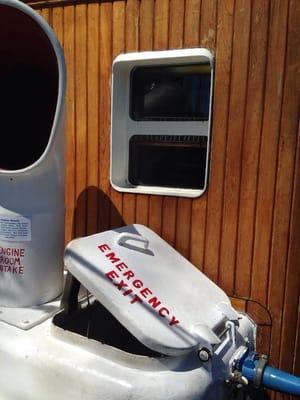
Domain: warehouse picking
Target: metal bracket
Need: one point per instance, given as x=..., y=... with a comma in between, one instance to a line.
x=259, y=370
x=69, y=300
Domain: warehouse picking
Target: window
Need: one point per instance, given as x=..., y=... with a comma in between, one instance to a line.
x=150, y=158
x=170, y=93
x=161, y=112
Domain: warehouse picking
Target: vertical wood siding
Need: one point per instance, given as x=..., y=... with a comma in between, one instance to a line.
x=244, y=232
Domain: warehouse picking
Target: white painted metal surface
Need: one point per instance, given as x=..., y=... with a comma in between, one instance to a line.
x=159, y=296
x=123, y=127
x=28, y=317
x=47, y=362
x=32, y=203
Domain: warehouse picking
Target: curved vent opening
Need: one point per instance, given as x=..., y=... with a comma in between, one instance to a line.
x=28, y=89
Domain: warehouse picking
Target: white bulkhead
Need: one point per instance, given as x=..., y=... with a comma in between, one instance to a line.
x=32, y=92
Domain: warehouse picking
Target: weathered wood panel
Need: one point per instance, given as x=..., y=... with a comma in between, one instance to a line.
x=251, y=143
x=245, y=231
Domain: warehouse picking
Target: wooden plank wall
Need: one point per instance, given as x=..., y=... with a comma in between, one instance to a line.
x=244, y=232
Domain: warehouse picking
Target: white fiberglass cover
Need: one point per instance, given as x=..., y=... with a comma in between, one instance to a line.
x=159, y=296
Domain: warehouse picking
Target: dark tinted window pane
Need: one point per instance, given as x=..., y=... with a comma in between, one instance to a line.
x=170, y=92
x=176, y=161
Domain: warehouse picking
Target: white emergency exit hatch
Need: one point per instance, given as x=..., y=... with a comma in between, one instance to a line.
x=158, y=295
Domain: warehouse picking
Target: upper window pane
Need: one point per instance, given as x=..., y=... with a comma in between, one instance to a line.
x=177, y=92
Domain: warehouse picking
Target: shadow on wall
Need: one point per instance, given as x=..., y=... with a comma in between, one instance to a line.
x=94, y=212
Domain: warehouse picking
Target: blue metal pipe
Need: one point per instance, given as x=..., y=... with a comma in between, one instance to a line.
x=276, y=379
x=248, y=371
x=269, y=377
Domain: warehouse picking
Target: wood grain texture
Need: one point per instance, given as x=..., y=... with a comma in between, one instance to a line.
x=224, y=39
x=69, y=51
x=93, y=18
x=131, y=44
x=268, y=148
x=105, y=58
x=235, y=127
x=118, y=47
x=176, y=28
x=244, y=231
x=292, y=281
x=251, y=144
x=286, y=170
x=80, y=155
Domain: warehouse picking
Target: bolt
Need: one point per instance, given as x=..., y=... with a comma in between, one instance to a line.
x=204, y=354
